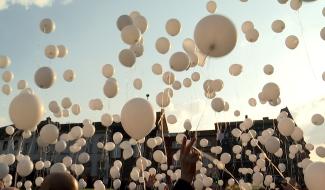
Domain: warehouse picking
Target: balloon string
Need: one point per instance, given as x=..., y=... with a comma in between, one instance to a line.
x=161, y=123
x=270, y=161
x=142, y=170
x=305, y=46
x=197, y=126
x=211, y=158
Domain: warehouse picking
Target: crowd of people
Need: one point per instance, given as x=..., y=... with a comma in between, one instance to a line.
x=189, y=155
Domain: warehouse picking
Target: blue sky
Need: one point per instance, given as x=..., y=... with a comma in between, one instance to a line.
x=88, y=29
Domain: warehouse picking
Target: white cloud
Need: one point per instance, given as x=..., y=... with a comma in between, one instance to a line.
x=314, y=157
x=29, y=3
x=302, y=115
x=66, y=2
x=2, y=121
x=196, y=111
x=3, y=4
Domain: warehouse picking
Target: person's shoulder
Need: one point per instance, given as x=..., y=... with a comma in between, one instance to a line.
x=182, y=184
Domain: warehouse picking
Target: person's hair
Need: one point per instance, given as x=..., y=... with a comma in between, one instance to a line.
x=59, y=181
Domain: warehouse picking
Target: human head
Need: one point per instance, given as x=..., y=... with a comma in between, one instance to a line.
x=59, y=181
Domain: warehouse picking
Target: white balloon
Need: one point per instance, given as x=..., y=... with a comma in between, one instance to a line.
x=51, y=51
x=66, y=103
x=236, y=113
x=127, y=153
x=110, y=88
x=67, y=161
x=117, y=137
x=28, y=184
x=158, y=156
x=163, y=99
x=268, y=69
x=10, y=130
x=247, y=26
x=22, y=84
x=127, y=57
x=189, y=45
x=317, y=119
x=295, y=4
x=108, y=70
x=157, y=69
x=137, y=84
x=204, y=143
x=25, y=167
x=63, y=51
x=286, y=126
x=211, y=6
x=168, y=78
x=252, y=35
x=195, y=76
x=26, y=110
x=171, y=119
x=252, y=102
x=106, y=120
x=297, y=134
x=4, y=61
x=7, y=76
x=282, y=1
x=187, y=82
x=123, y=21
x=225, y=158
x=47, y=25
x=130, y=34
x=83, y=157
x=132, y=185
x=257, y=178
x=60, y=146
x=116, y=118
x=211, y=44
x=47, y=164
x=271, y=91
x=187, y=125
x=132, y=118
x=6, y=89
x=58, y=168
x=218, y=104
x=49, y=133
x=75, y=109
x=76, y=132
x=278, y=26
x=45, y=77
x=39, y=165
x=39, y=181
x=114, y=172
x=140, y=22
x=272, y=144
x=314, y=176
x=292, y=42
x=320, y=151
x=322, y=33
x=173, y=27
x=162, y=45
x=177, y=85
x=235, y=69
x=69, y=75
x=117, y=183
x=179, y=61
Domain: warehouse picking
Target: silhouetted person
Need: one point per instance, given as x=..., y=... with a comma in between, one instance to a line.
x=188, y=158
x=59, y=181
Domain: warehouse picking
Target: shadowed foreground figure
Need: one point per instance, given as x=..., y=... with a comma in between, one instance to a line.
x=59, y=181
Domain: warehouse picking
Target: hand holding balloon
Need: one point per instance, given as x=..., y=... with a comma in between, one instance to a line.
x=188, y=158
